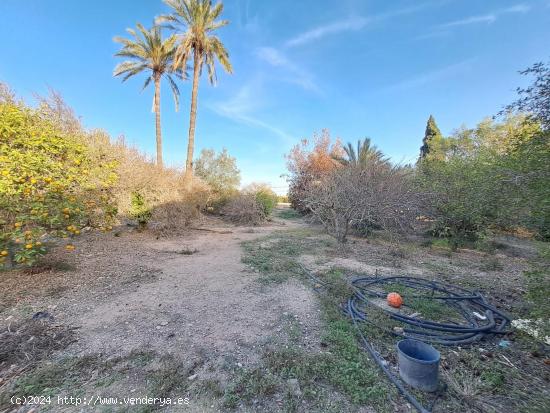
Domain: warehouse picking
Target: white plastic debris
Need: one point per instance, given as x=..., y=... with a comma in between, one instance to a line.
x=531, y=327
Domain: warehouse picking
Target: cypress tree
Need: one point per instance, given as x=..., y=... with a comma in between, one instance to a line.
x=431, y=135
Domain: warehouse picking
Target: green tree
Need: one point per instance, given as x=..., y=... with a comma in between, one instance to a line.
x=148, y=52
x=495, y=175
x=432, y=138
x=534, y=99
x=51, y=184
x=195, y=21
x=264, y=195
x=362, y=156
x=218, y=170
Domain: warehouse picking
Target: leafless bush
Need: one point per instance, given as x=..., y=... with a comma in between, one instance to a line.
x=176, y=215
x=244, y=209
x=375, y=196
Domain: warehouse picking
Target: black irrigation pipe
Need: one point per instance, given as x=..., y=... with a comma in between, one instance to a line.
x=465, y=302
x=418, y=406
x=460, y=299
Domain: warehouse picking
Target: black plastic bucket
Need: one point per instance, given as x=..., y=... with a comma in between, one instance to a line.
x=418, y=364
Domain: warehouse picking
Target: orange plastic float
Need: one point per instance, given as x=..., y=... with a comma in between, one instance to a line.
x=394, y=300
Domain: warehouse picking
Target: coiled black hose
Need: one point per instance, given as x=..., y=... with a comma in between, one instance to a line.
x=463, y=301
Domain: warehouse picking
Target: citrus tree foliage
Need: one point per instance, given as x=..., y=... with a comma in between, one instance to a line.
x=495, y=175
x=308, y=162
x=50, y=184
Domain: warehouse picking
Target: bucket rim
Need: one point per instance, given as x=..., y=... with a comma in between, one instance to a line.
x=425, y=345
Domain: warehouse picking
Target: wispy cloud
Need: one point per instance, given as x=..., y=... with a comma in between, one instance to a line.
x=487, y=18
x=240, y=109
x=352, y=23
x=296, y=74
x=432, y=76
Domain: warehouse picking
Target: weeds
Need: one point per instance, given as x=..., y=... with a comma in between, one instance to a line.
x=288, y=213
x=275, y=256
x=479, y=379
x=491, y=264
x=309, y=377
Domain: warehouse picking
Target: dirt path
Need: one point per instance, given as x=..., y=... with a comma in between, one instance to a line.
x=207, y=302
x=187, y=298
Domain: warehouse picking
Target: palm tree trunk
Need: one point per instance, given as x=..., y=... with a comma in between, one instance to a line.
x=192, y=119
x=157, y=120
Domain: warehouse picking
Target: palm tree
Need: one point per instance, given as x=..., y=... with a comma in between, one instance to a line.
x=194, y=22
x=148, y=52
x=363, y=155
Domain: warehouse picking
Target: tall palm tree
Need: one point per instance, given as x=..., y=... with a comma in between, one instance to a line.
x=148, y=52
x=194, y=22
x=363, y=155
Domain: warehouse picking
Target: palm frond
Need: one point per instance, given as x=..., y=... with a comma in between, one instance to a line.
x=175, y=91
x=147, y=81
x=148, y=51
x=193, y=21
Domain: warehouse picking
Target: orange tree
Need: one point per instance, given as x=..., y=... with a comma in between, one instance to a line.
x=51, y=185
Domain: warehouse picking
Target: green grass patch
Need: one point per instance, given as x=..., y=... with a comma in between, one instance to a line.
x=275, y=257
x=419, y=301
x=342, y=368
x=288, y=213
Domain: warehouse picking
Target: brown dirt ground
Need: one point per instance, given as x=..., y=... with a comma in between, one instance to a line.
x=188, y=303
x=188, y=297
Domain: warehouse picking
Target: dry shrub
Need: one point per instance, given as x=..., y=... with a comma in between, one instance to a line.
x=172, y=206
x=177, y=215
x=375, y=196
x=244, y=209
x=133, y=172
x=309, y=161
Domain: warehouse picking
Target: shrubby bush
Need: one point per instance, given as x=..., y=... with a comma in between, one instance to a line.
x=252, y=206
x=220, y=172
x=51, y=184
x=57, y=178
x=244, y=209
x=264, y=195
x=492, y=177
x=308, y=162
x=376, y=195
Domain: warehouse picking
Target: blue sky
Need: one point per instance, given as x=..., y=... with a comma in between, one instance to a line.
x=356, y=67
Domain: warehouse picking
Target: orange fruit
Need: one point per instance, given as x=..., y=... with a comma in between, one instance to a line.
x=394, y=300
